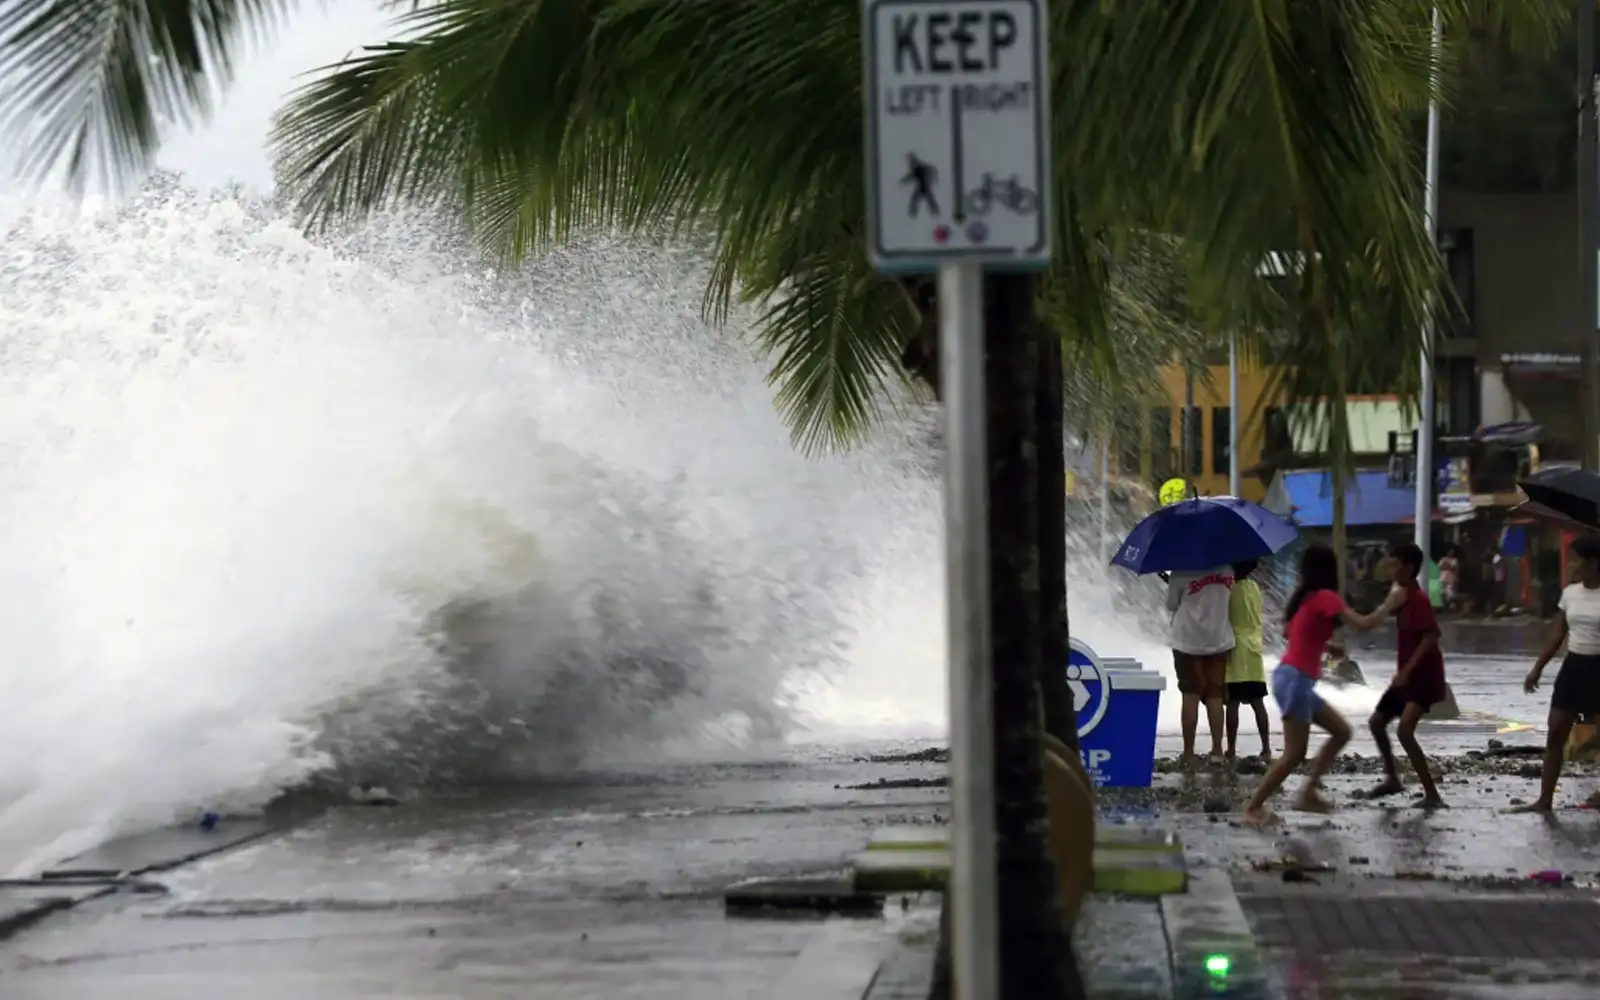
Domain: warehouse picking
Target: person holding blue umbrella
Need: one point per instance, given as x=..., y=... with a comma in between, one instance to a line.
x=1197, y=536
x=1194, y=543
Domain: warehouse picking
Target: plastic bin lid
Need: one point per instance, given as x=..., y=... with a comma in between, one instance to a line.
x=1136, y=680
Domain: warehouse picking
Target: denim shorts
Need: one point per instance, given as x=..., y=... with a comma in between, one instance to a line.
x=1295, y=693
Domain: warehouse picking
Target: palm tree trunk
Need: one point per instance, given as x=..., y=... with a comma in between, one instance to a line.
x=1036, y=958
x=1338, y=459
x=1060, y=715
x=1035, y=949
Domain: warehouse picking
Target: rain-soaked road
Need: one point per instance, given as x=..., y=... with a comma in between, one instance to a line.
x=609, y=887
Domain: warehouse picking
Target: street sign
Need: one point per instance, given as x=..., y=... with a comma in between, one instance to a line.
x=958, y=118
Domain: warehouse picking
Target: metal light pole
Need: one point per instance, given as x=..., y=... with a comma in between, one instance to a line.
x=1105, y=503
x=1588, y=234
x=1186, y=442
x=1233, y=413
x=1425, y=472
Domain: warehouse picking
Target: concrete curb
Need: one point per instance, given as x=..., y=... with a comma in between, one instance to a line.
x=114, y=867
x=161, y=850
x=1210, y=942
x=22, y=907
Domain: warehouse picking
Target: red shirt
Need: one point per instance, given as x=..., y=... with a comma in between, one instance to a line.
x=1415, y=622
x=1309, y=631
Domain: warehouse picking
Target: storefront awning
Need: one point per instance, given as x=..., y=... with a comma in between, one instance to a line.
x=1369, y=500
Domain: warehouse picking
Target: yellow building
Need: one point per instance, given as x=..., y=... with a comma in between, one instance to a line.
x=1157, y=454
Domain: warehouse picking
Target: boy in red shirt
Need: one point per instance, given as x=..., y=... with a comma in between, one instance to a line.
x=1418, y=682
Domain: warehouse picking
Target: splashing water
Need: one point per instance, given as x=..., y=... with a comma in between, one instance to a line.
x=278, y=512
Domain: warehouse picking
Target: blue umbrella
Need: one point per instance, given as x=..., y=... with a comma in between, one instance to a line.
x=1195, y=535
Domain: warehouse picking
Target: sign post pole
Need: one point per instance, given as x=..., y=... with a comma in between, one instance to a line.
x=958, y=181
x=975, y=945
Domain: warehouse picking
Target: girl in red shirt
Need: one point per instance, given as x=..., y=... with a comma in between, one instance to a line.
x=1315, y=610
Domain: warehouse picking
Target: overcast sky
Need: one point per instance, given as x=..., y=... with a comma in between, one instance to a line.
x=232, y=145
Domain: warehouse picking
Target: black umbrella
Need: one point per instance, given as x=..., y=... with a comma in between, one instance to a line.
x=1572, y=493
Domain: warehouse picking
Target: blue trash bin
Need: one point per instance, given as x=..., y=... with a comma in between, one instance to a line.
x=1117, y=710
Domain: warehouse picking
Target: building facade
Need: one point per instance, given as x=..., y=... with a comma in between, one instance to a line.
x=1159, y=451
x=1509, y=349
x=1511, y=346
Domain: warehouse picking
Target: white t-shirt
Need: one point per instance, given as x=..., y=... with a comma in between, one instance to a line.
x=1582, y=608
x=1199, y=606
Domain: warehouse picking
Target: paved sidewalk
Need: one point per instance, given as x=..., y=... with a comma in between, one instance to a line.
x=1396, y=939
x=1341, y=938
x=1116, y=941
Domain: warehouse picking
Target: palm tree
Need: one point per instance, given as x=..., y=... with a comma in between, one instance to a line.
x=1264, y=125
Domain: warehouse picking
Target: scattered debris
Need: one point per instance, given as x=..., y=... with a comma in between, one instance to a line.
x=882, y=783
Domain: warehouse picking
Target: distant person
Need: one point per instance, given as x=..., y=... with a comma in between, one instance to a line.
x=1418, y=683
x=1202, y=638
x=1315, y=610
x=1247, y=677
x=1499, y=572
x=1577, y=688
x=1450, y=577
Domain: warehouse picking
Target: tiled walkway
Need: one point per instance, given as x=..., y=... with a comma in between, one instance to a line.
x=1383, y=940
x=1536, y=928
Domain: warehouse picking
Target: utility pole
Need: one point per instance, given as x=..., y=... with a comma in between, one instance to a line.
x=1426, y=475
x=1234, y=487
x=1588, y=234
x=1188, y=446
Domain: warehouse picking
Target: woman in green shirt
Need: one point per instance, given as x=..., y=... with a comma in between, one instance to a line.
x=1247, y=676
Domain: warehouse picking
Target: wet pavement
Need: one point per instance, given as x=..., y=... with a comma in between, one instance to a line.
x=610, y=886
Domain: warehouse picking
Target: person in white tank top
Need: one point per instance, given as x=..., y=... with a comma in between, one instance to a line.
x=1576, y=692
x=1202, y=637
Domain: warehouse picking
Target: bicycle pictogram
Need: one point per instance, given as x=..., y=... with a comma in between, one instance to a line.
x=1009, y=193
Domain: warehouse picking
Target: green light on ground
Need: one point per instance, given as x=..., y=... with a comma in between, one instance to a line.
x=1218, y=965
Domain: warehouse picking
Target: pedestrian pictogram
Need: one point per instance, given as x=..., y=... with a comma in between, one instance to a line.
x=957, y=121
x=921, y=177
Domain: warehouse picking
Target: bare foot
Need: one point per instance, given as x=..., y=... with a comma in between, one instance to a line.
x=1266, y=754
x=1528, y=807
x=1385, y=788
x=1187, y=762
x=1310, y=800
x=1430, y=803
x=1259, y=818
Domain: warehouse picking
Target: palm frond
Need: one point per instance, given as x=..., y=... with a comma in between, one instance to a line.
x=1280, y=129
x=90, y=84
x=834, y=330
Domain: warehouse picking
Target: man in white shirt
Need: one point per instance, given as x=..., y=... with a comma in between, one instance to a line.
x=1202, y=637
